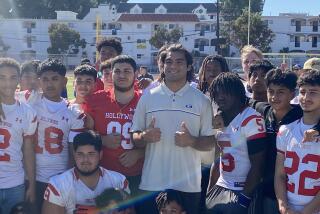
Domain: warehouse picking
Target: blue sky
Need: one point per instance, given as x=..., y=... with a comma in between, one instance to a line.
x=271, y=7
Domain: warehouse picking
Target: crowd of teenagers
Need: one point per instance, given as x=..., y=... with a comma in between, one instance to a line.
x=213, y=144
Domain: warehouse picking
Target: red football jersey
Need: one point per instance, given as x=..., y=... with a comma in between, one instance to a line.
x=111, y=117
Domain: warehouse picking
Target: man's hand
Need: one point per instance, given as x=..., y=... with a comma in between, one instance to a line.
x=151, y=134
x=130, y=157
x=112, y=141
x=183, y=138
x=217, y=121
x=30, y=194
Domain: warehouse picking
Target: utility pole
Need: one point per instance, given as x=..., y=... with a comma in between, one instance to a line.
x=249, y=20
x=218, y=28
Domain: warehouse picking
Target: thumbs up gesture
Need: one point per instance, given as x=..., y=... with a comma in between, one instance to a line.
x=183, y=138
x=151, y=134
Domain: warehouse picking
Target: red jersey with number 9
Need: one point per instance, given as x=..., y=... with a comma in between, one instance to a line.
x=302, y=163
x=232, y=140
x=20, y=122
x=111, y=117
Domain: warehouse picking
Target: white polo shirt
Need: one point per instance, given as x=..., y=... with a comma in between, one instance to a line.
x=167, y=165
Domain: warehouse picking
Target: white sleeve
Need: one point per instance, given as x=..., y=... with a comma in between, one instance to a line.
x=281, y=142
x=254, y=127
x=206, y=128
x=53, y=194
x=139, y=117
x=77, y=125
x=30, y=125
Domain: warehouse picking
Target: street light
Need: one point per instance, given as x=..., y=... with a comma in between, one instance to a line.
x=249, y=14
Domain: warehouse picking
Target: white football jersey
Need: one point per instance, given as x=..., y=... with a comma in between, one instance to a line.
x=20, y=122
x=234, y=159
x=56, y=128
x=68, y=191
x=29, y=97
x=302, y=163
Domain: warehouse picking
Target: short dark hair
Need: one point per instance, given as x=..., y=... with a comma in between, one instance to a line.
x=168, y=196
x=189, y=59
x=203, y=85
x=105, y=64
x=263, y=65
x=229, y=83
x=85, y=70
x=311, y=77
x=54, y=65
x=287, y=79
x=30, y=67
x=111, y=42
x=87, y=138
x=113, y=195
x=85, y=61
x=124, y=59
x=9, y=62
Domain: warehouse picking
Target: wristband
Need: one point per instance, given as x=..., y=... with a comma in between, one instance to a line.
x=244, y=200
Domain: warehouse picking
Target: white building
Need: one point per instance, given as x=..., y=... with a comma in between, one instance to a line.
x=134, y=24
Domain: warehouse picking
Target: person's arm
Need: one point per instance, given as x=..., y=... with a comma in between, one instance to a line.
x=255, y=173
x=150, y=135
x=313, y=206
x=50, y=208
x=130, y=157
x=29, y=164
x=183, y=138
x=280, y=182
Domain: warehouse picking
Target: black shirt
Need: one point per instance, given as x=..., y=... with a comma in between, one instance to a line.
x=272, y=128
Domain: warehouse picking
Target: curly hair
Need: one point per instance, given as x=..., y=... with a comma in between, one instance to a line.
x=203, y=85
x=54, y=65
x=85, y=70
x=111, y=42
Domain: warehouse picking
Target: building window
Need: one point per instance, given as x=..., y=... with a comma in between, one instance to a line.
x=171, y=26
x=297, y=41
x=116, y=26
x=211, y=16
x=139, y=56
x=298, y=26
x=315, y=26
x=103, y=26
x=202, y=27
x=139, y=26
x=29, y=40
x=315, y=41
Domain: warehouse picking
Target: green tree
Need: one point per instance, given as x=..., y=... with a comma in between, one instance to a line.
x=232, y=9
x=163, y=36
x=260, y=35
x=64, y=40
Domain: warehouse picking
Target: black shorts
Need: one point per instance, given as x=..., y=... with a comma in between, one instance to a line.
x=220, y=200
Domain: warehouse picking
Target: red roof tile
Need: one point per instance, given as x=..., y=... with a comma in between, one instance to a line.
x=158, y=18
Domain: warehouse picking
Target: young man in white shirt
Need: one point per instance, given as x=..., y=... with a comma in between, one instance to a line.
x=173, y=122
x=77, y=188
x=17, y=128
x=297, y=174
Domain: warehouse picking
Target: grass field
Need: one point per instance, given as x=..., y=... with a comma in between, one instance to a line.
x=70, y=85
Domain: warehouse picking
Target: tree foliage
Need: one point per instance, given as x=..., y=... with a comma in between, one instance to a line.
x=163, y=36
x=47, y=8
x=232, y=9
x=64, y=40
x=236, y=32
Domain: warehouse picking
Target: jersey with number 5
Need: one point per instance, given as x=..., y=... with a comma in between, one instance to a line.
x=55, y=130
x=232, y=140
x=301, y=165
x=111, y=117
x=20, y=122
